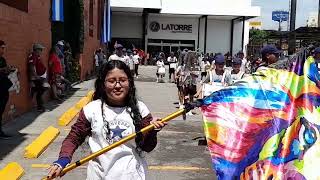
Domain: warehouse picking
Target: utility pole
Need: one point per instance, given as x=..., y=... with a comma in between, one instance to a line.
x=292, y=35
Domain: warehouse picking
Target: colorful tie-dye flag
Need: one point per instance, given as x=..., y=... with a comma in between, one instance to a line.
x=266, y=126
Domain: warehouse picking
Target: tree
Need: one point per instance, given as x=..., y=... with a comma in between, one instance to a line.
x=257, y=36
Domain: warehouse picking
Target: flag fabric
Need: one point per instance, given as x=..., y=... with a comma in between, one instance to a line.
x=266, y=126
x=57, y=10
x=106, y=28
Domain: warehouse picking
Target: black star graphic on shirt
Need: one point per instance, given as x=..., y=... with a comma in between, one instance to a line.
x=117, y=132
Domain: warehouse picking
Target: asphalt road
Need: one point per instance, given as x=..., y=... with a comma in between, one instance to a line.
x=176, y=157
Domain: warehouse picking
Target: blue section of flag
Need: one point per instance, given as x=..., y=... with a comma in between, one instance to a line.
x=57, y=10
x=106, y=26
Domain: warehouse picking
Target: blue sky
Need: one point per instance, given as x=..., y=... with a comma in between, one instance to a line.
x=304, y=7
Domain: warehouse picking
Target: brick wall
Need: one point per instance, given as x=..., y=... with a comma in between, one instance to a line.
x=91, y=43
x=20, y=30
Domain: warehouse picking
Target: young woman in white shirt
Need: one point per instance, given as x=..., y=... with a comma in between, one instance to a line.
x=113, y=114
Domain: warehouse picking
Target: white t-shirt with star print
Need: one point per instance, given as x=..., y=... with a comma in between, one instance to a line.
x=122, y=162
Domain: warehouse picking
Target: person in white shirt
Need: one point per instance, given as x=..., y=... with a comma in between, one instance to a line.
x=114, y=114
x=161, y=70
x=130, y=61
x=205, y=67
x=136, y=60
x=118, y=54
x=234, y=74
x=216, y=77
x=244, y=63
x=172, y=60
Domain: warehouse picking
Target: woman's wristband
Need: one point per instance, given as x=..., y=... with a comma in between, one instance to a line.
x=62, y=162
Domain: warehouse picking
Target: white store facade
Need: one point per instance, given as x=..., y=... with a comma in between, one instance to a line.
x=209, y=26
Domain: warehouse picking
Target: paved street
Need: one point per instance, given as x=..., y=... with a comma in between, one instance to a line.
x=177, y=155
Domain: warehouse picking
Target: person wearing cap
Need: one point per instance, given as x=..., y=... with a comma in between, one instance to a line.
x=37, y=75
x=216, y=74
x=60, y=52
x=5, y=85
x=236, y=73
x=118, y=54
x=316, y=57
x=270, y=54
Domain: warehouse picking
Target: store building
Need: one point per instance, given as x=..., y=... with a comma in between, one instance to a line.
x=209, y=26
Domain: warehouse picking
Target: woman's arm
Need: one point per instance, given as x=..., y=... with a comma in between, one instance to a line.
x=79, y=131
x=149, y=138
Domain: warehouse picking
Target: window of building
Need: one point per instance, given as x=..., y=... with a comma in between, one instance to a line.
x=91, y=26
x=18, y=4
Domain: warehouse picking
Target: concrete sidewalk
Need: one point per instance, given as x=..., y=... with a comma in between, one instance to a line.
x=30, y=125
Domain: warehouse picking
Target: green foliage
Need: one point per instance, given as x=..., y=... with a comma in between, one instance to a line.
x=74, y=73
x=258, y=36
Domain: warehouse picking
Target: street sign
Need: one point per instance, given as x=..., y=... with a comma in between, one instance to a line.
x=280, y=16
x=255, y=24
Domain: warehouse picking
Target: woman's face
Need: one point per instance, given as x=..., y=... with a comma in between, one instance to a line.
x=117, y=86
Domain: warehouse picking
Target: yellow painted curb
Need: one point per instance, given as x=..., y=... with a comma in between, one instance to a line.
x=40, y=144
x=68, y=116
x=90, y=95
x=12, y=171
x=83, y=101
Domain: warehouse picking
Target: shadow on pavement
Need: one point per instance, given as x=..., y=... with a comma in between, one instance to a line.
x=14, y=126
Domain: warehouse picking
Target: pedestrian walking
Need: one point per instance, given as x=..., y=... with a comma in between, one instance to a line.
x=161, y=70
x=113, y=114
x=118, y=54
x=136, y=60
x=5, y=85
x=205, y=67
x=130, y=62
x=172, y=60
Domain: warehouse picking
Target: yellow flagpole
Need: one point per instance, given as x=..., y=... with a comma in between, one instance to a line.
x=116, y=144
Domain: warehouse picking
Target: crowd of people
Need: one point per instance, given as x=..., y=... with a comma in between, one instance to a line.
x=197, y=75
x=40, y=77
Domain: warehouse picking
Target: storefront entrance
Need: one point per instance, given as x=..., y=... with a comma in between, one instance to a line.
x=166, y=46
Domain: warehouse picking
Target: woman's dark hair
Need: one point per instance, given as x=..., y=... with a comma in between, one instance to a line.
x=131, y=101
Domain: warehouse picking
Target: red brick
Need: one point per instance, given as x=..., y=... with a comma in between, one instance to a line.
x=20, y=30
